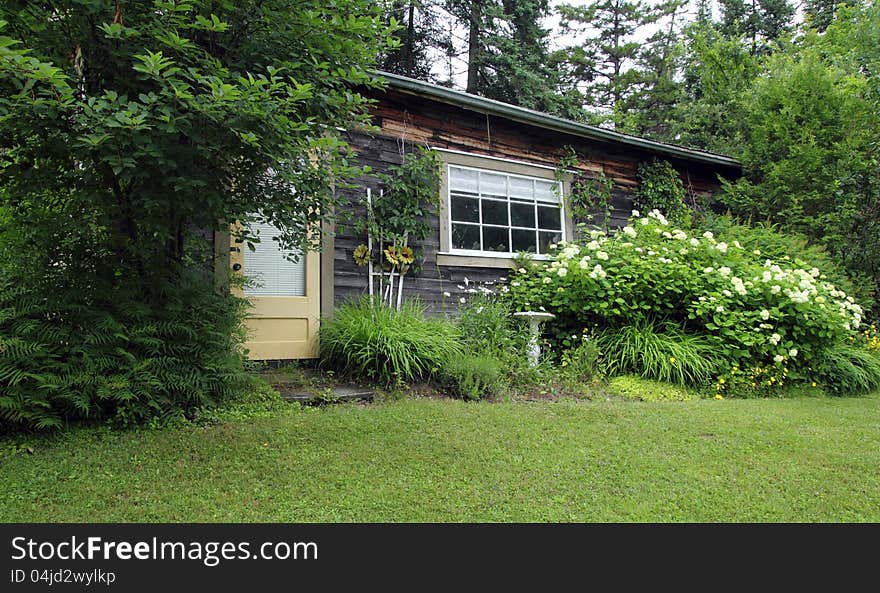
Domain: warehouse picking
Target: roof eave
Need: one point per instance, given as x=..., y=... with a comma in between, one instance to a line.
x=550, y=122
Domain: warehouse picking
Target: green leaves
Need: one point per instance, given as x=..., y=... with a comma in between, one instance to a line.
x=715, y=287
x=154, y=63
x=213, y=24
x=120, y=139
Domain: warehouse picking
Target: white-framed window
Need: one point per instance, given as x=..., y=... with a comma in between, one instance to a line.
x=497, y=214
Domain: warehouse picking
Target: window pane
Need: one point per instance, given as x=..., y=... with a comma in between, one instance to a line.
x=523, y=240
x=465, y=209
x=495, y=239
x=544, y=191
x=463, y=180
x=545, y=239
x=522, y=188
x=493, y=184
x=466, y=236
x=494, y=212
x=522, y=214
x=548, y=218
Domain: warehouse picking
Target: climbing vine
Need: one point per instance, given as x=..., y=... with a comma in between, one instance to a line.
x=661, y=188
x=590, y=197
x=398, y=214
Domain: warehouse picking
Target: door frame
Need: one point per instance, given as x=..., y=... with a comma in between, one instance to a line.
x=308, y=307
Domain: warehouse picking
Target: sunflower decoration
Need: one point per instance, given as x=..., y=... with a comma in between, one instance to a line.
x=405, y=255
x=391, y=255
x=362, y=255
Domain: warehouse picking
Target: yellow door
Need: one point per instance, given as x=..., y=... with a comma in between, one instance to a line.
x=283, y=321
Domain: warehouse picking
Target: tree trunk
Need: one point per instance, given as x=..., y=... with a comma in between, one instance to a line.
x=474, y=47
x=408, y=48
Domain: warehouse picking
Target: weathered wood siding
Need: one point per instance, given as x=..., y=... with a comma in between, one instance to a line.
x=404, y=120
x=430, y=281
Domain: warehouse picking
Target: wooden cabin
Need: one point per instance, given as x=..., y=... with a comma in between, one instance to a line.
x=500, y=194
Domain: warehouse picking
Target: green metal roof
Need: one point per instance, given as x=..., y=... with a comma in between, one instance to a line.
x=550, y=122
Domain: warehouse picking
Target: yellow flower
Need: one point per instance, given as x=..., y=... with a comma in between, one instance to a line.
x=719, y=396
x=362, y=255
x=721, y=380
x=406, y=255
x=814, y=383
x=391, y=256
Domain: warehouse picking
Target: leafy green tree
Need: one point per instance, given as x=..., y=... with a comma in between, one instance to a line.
x=129, y=131
x=717, y=72
x=808, y=145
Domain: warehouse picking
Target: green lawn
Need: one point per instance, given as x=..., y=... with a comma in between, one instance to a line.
x=807, y=459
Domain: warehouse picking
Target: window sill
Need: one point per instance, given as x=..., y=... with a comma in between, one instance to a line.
x=477, y=261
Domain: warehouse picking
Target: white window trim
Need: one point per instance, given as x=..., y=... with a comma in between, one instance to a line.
x=563, y=213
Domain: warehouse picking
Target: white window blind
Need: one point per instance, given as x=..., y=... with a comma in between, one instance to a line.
x=269, y=270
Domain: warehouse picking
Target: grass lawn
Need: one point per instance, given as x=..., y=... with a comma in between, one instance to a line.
x=805, y=459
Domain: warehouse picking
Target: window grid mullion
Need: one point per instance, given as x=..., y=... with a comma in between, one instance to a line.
x=510, y=227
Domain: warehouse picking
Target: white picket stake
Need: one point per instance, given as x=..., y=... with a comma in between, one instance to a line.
x=370, y=242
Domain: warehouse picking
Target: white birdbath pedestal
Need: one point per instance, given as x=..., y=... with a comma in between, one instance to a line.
x=535, y=319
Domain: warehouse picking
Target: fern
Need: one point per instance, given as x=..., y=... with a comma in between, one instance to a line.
x=69, y=355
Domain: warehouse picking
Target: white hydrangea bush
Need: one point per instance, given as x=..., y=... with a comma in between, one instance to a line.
x=759, y=310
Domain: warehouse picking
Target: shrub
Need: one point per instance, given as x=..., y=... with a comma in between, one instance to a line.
x=488, y=327
x=755, y=310
x=472, y=376
x=67, y=356
x=768, y=240
x=629, y=387
x=669, y=355
x=375, y=342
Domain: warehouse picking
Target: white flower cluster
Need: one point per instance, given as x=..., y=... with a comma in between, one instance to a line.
x=598, y=272
x=791, y=284
x=804, y=286
x=658, y=216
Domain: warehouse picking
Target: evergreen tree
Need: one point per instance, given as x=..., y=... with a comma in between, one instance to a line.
x=602, y=65
x=649, y=110
x=508, y=55
x=420, y=33
x=759, y=22
x=820, y=13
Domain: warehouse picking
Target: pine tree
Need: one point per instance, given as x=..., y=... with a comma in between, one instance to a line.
x=649, y=110
x=421, y=33
x=820, y=13
x=759, y=22
x=602, y=65
x=508, y=55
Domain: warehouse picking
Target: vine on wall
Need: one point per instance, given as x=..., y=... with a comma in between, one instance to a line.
x=661, y=188
x=589, y=197
x=397, y=215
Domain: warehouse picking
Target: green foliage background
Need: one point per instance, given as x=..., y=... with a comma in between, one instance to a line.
x=129, y=133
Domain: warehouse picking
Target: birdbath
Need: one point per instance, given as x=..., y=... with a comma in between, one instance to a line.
x=535, y=319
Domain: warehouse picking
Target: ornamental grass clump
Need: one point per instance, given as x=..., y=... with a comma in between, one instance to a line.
x=665, y=354
x=375, y=342
x=756, y=311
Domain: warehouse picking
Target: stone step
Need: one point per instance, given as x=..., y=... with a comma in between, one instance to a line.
x=341, y=394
